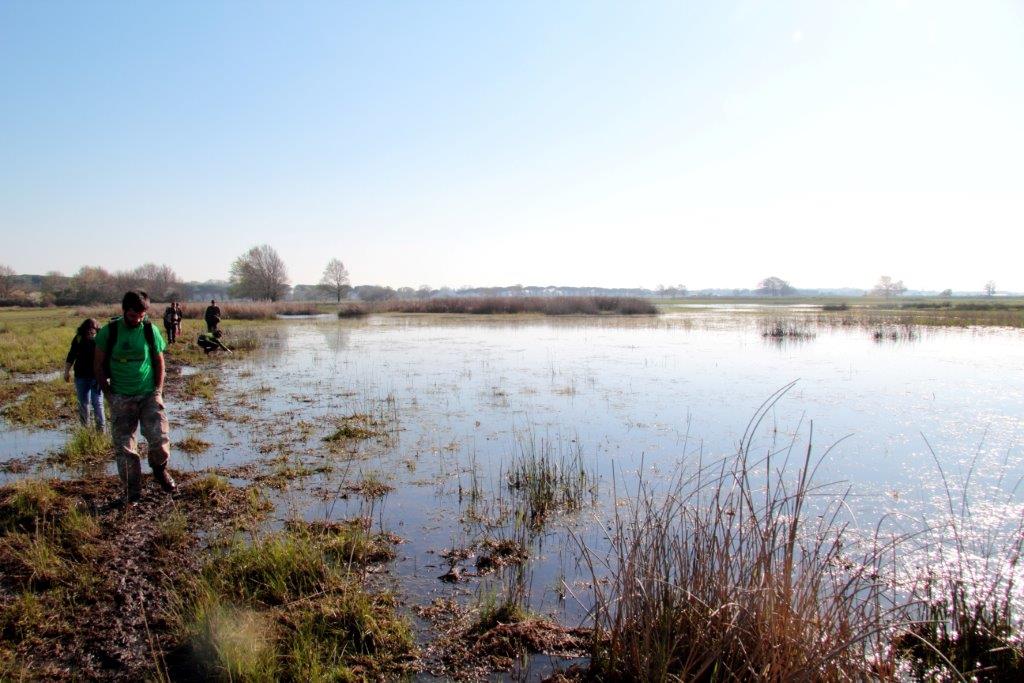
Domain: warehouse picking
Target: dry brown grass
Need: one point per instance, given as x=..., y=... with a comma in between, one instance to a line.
x=559, y=305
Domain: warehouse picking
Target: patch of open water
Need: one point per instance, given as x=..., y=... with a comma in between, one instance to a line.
x=467, y=392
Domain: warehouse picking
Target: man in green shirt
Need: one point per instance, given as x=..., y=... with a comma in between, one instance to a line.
x=129, y=366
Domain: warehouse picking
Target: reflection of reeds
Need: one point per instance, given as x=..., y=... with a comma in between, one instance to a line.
x=738, y=571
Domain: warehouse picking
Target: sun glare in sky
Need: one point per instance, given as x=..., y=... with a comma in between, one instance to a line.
x=709, y=144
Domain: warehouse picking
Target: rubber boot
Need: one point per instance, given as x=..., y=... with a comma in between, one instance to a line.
x=133, y=479
x=162, y=477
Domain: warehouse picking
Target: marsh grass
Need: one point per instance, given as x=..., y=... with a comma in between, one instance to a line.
x=788, y=330
x=281, y=608
x=964, y=618
x=560, y=305
x=42, y=404
x=172, y=529
x=192, y=445
x=377, y=420
x=87, y=446
x=546, y=477
x=739, y=570
x=35, y=340
x=201, y=385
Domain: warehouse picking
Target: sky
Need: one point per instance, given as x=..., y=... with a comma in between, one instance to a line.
x=618, y=144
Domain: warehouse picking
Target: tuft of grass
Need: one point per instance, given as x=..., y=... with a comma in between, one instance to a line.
x=201, y=385
x=547, y=479
x=349, y=542
x=192, y=445
x=211, y=486
x=172, y=530
x=86, y=446
x=738, y=570
x=28, y=503
x=282, y=608
x=35, y=557
x=230, y=642
x=352, y=310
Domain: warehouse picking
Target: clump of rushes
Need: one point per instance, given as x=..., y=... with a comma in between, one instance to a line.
x=545, y=480
x=211, y=486
x=735, y=572
x=281, y=608
x=201, y=385
x=86, y=446
x=27, y=503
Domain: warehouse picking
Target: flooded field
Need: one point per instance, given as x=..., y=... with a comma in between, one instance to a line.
x=431, y=428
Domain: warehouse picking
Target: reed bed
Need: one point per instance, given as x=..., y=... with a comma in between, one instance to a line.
x=739, y=571
x=559, y=305
x=230, y=310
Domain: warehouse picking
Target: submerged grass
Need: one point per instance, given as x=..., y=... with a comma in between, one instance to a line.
x=201, y=385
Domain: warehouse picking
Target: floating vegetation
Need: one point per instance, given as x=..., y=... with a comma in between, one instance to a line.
x=501, y=553
x=379, y=421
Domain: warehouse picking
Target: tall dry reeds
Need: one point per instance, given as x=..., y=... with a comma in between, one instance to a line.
x=230, y=310
x=739, y=570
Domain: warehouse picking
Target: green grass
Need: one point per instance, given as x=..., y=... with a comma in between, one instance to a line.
x=43, y=405
x=201, y=385
x=282, y=607
x=36, y=340
x=192, y=445
x=86, y=446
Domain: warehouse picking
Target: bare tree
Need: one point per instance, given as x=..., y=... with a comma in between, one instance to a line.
x=887, y=287
x=92, y=285
x=424, y=292
x=259, y=274
x=7, y=275
x=990, y=288
x=335, y=279
x=774, y=286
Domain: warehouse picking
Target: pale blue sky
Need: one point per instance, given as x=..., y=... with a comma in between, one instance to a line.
x=617, y=144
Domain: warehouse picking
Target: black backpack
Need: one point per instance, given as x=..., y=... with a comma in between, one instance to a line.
x=112, y=326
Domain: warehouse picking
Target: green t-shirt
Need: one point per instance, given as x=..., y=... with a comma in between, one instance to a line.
x=131, y=370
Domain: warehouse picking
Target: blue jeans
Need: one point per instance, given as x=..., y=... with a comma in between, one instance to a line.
x=89, y=392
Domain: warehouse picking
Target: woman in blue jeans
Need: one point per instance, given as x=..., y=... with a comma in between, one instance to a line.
x=80, y=357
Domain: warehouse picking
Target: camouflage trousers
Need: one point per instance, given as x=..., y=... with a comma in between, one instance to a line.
x=128, y=412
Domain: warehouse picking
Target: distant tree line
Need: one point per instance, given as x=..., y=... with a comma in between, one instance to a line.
x=260, y=274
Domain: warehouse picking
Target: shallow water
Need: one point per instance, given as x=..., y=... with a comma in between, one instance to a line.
x=468, y=392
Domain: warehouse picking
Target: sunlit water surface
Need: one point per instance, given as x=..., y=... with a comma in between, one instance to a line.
x=467, y=392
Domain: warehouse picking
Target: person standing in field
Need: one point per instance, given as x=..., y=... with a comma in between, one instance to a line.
x=178, y=315
x=171, y=321
x=129, y=367
x=80, y=357
x=212, y=316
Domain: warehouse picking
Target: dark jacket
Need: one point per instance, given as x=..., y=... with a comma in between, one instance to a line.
x=81, y=354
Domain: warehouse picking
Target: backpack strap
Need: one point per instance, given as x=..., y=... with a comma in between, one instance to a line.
x=147, y=332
